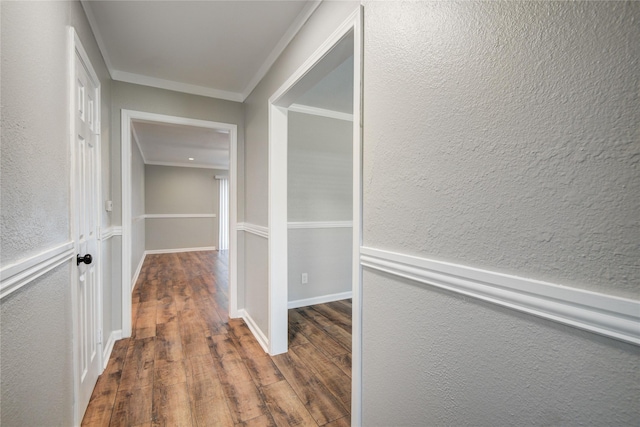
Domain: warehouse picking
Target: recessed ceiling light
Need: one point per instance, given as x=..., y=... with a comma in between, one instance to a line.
x=191, y=158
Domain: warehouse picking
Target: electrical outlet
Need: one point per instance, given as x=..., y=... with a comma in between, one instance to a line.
x=305, y=278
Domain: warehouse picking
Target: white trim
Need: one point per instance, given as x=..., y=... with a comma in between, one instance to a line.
x=603, y=314
x=126, y=117
x=314, y=111
x=319, y=300
x=279, y=104
x=22, y=272
x=109, y=232
x=108, y=347
x=162, y=216
x=139, y=79
x=258, y=230
x=187, y=165
x=319, y=224
x=179, y=250
x=138, y=218
x=134, y=280
x=293, y=29
x=255, y=330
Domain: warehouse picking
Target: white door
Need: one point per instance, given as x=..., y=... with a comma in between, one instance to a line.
x=86, y=183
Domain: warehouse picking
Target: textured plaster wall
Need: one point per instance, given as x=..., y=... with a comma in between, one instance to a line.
x=180, y=190
x=35, y=321
x=320, y=25
x=500, y=135
x=457, y=361
x=506, y=136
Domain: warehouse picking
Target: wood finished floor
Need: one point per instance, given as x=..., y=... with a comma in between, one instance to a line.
x=188, y=364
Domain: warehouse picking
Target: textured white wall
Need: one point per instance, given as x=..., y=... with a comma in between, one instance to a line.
x=35, y=321
x=316, y=30
x=503, y=136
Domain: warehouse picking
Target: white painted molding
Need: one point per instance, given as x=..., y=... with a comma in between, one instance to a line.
x=22, y=272
x=137, y=273
x=314, y=111
x=163, y=216
x=603, y=314
x=108, y=347
x=138, y=218
x=139, y=79
x=320, y=224
x=258, y=230
x=284, y=41
x=255, y=330
x=319, y=300
x=179, y=250
x=109, y=232
x=188, y=165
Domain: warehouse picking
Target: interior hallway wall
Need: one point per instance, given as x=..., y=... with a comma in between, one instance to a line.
x=317, y=29
x=502, y=136
x=181, y=190
x=320, y=190
x=138, y=232
x=36, y=354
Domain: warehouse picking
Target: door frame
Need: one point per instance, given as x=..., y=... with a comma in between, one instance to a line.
x=127, y=285
x=278, y=231
x=78, y=53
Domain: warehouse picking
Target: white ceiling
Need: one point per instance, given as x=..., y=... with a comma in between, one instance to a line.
x=215, y=48
x=172, y=145
x=220, y=49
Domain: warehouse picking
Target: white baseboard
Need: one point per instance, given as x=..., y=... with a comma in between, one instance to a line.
x=178, y=250
x=319, y=300
x=108, y=346
x=138, y=270
x=255, y=330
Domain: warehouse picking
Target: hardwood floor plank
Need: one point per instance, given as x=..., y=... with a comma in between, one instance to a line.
x=285, y=407
x=138, y=366
x=343, y=362
x=340, y=335
x=244, y=401
x=336, y=381
x=315, y=335
x=132, y=407
x=319, y=401
x=146, y=321
x=189, y=364
x=171, y=406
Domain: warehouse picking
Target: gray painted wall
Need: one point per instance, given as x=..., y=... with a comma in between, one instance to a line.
x=317, y=29
x=502, y=136
x=36, y=348
x=137, y=208
x=320, y=182
x=181, y=190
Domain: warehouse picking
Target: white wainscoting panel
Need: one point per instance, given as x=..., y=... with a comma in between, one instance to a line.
x=109, y=232
x=319, y=224
x=603, y=314
x=258, y=230
x=20, y=273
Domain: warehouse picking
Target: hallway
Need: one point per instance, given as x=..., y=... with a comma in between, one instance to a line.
x=188, y=364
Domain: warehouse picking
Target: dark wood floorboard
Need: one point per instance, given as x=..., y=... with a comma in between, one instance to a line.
x=188, y=364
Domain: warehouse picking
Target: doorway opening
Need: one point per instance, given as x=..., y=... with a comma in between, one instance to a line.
x=342, y=46
x=131, y=216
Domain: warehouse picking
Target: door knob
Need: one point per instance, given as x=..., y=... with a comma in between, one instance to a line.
x=86, y=259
